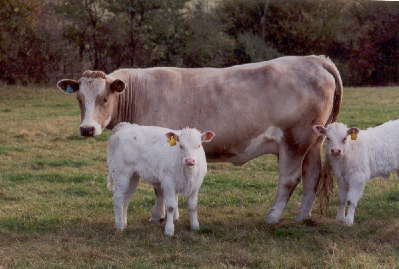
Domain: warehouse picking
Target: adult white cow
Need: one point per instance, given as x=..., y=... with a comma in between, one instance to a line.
x=255, y=109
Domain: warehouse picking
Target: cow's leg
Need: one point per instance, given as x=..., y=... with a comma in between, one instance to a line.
x=311, y=169
x=134, y=180
x=171, y=206
x=342, y=194
x=290, y=171
x=192, y=207
x=158, y=213
x=356, y=188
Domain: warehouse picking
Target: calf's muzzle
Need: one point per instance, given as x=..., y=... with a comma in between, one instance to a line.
x=336, y=152
x=189, y=161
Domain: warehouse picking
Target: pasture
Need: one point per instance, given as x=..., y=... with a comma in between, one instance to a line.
x=56, y=210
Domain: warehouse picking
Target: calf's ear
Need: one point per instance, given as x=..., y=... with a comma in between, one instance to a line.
x=175, y=136
x=353, y=129
x=68, y=85
x=207, y=136
x=118, y=85
x=320, y=130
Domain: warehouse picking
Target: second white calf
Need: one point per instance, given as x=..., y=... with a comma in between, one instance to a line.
x=370, y=153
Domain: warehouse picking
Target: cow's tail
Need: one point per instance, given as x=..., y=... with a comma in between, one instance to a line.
x=326, y=178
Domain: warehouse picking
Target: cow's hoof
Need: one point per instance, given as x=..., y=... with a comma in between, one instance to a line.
x=271, y=220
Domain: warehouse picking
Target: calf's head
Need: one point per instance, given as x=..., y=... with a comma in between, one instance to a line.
x=337, y=137
x=96, y=93
x=189, y=142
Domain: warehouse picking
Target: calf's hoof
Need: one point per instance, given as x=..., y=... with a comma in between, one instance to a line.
x=194, y=227
x=157, y=220
x=169, y=232
x=348, y=222
x=120, y=226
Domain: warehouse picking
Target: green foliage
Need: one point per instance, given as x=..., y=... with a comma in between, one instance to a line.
x=26, y=52
x=44, y=41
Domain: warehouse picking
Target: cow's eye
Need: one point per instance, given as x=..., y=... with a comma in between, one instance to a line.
x=105, y=100
x=328, y=139
x=343, y=140
x=181, y=147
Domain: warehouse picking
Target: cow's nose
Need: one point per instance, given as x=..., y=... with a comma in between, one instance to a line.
x=189, y=161
x=87, y=131
x=336, y=151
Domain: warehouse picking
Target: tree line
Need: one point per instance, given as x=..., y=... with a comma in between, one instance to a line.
x=43, y=41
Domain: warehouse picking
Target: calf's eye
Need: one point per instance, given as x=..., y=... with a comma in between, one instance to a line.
x=181, y=147
x=343, y=140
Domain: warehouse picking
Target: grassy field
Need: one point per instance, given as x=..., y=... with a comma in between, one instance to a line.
x=56, y=211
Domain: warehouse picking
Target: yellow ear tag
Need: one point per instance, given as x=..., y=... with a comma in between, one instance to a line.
x=172, y=141
x=353, y=135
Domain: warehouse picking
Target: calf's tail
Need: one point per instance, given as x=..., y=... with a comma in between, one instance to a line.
x=110, y=182
x=326, y=178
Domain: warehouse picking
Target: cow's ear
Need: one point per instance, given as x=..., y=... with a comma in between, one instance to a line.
x=118, y=85
x=207, y=136
x=68, y=85
x=320, y=130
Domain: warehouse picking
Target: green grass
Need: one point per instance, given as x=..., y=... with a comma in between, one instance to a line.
x=56, y=211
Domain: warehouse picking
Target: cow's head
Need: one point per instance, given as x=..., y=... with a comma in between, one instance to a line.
x=96, y=93
x=337, y=136
x=189, y=142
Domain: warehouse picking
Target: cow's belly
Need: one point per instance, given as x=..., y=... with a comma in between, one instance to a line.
x=266, y=143
x=255, y=150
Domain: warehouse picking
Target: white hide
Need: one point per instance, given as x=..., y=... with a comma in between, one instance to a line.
x=142, y=151
x=375, y=152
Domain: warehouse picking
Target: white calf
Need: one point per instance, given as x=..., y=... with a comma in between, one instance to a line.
x=178, y=167
x=357, y=156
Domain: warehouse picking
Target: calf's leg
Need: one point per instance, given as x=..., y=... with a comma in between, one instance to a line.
x=124, y=186
x=356, y=188
x=134, y=180
x=158, y=213
x=171, y=206
x=176, y=215
x=342, y=194
x=192, y=207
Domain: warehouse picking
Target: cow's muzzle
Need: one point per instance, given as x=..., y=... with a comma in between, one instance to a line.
x=87, y=131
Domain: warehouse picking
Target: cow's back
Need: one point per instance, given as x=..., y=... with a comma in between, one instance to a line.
x=238, y=103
